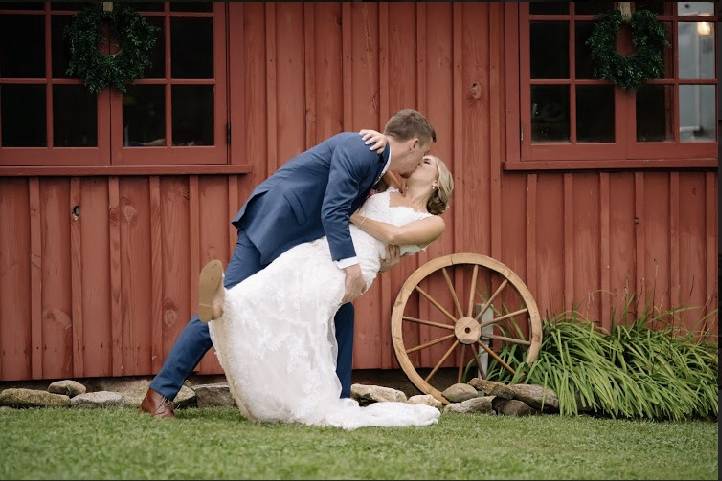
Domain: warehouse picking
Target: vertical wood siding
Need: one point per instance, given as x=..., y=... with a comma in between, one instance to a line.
x=106, y=293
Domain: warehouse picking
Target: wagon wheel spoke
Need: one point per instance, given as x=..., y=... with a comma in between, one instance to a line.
x=523, y=342
x=441, y=361
x=470, y=310
x=435, y=303
x=495, y=356
x=428, y=323
x=491, y=299
x=506, y=316
x=461, y=361
x=457, y=304
x=430, y=343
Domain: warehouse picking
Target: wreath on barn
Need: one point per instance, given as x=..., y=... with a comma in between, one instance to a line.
x=648, y=37
x=136, y=38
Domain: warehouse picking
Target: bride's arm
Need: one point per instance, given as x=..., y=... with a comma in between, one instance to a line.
x=420, y=232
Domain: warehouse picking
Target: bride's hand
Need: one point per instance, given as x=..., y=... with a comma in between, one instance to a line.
x=376, y=139
x=356, y=218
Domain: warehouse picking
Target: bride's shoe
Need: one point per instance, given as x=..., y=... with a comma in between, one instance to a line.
x=211, y=292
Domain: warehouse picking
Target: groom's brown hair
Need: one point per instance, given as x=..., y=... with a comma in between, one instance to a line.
x=407, y=124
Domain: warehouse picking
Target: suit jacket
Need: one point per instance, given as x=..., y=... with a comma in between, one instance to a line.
x=312, y=195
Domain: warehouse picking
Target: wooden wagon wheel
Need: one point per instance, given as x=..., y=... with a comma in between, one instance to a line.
x=464, y=327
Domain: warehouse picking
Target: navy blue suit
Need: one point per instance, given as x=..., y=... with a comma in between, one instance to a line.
x=312, y=195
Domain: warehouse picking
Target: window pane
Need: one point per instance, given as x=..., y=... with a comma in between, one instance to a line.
x=593, y=7
x=655, y=104
x=148, y=6
x=550, y=113
x=541, y=7
x=144, y=115
x=595, y=113
x=696, y=113
x=75, y=116
x=192, y=115
x=696, y=50
x=583, y=63
x=22, y=115
x=657, y=7
x=157, y=55
x=71, y=5
x=26, y=33
x=695, y=8
x=549, y=47
x=21, y=5
x=191, y=47
x=183, y=6
x=60, y=47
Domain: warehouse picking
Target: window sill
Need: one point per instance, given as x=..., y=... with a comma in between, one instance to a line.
x=99, y=170
x=522, y=165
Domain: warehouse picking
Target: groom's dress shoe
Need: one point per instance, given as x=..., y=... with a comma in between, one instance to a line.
x=156, y=405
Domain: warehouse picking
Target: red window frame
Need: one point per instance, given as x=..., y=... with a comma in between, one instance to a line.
x=110, y=151
x=625, y=152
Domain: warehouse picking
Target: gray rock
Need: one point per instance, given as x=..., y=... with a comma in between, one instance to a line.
x=99, y=399
x=69, y=388
x=369, y=393
x=185, y=397
x=460, y=392
x=535, y=395
x=21, y=397
x=5, y=408
x=214, y=394
x=492, y=388
x=475, y=405
x=427, y=399
x=512, y=407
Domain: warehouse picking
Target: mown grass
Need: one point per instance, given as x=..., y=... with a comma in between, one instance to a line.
x=62, y=443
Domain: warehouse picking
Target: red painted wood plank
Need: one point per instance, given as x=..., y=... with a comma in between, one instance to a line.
x=329, y=53
x=136, y=285
x=585, y=245
x=194, y=234
x=116, y=278
x=290, y=86
x=496, y=116
x=711, y=253
x=568, y=243
x=16, y=294
x=309, y=73
x=96, y=275
x=531, y=232
x=36, y=277
x=271, y=87
x=76, y=278
x=693, y=246
x=621, y=245
x=604, y=247
x=674, y=287
x=549, y=245
x=156, y=274
x=639, y=240
x=656, y=231
x=57, y=324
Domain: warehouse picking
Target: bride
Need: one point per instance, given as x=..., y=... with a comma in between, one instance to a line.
x=273, y=333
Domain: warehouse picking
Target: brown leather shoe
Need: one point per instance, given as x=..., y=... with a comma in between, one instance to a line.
x=156, y=405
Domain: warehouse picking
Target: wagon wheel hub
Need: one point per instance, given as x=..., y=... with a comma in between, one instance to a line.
x=467, y=330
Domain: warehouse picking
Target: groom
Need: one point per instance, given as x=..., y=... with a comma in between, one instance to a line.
x=312, y=195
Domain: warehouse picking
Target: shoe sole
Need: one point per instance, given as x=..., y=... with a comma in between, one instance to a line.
x=209, y=282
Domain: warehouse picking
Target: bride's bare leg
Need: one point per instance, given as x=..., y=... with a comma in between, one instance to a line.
x=211, y=292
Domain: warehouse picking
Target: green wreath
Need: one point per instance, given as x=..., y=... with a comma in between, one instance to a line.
x=136, y=36
x=648, y=37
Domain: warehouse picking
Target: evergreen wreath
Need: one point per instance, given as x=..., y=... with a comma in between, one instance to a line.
x=648, y=37
x=135, y=35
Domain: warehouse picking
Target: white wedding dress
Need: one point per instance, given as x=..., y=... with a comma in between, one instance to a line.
x=276, y=342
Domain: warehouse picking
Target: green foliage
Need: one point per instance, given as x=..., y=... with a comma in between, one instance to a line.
x=648, y=37
x=136, y=36
x=633, y=372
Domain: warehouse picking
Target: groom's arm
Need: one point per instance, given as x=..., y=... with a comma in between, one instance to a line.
x=351, y=163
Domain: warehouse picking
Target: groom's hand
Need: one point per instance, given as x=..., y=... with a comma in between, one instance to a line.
x=355, y=284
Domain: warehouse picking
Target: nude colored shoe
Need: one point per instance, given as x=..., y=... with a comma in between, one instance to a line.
x=211, y=292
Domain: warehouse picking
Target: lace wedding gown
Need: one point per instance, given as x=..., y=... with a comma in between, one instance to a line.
x=276, y=342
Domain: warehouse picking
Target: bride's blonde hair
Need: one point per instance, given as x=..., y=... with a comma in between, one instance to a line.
x=441, y=197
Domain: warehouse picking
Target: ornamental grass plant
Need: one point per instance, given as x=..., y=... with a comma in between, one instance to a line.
x=644, y=369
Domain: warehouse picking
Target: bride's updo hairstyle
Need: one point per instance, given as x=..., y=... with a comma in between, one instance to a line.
x=441, y=197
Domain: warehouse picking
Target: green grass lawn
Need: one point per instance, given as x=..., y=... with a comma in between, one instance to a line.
x=217, y=443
